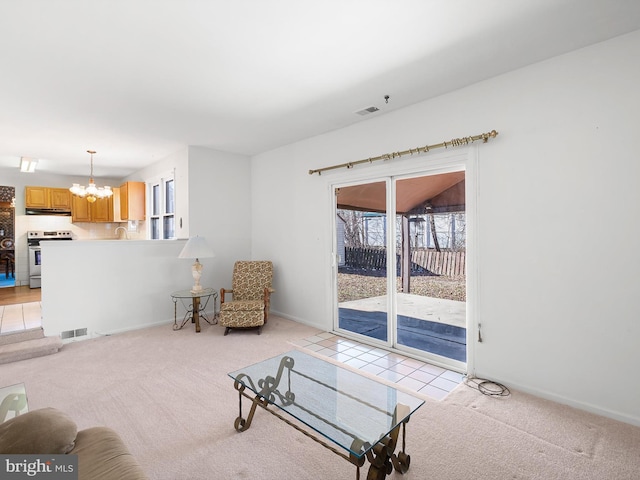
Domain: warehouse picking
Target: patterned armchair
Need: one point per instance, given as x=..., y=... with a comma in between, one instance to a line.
x=251, y=291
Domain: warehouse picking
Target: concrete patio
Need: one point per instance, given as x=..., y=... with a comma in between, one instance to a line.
x=427, y=324
x=450, y=312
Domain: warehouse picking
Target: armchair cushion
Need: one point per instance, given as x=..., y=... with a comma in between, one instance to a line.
x=241, y=305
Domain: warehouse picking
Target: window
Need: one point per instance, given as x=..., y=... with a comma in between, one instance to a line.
x=162, y=203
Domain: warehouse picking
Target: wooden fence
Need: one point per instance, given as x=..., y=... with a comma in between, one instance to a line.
x=440, y=263
x=369, y=258
x=451, y=264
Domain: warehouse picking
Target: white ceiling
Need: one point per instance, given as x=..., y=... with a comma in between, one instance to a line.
x=137, y=80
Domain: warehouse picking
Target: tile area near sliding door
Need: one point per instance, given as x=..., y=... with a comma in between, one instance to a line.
x=421, y=377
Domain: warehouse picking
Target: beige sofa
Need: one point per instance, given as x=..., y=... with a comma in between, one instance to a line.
x=102, y=455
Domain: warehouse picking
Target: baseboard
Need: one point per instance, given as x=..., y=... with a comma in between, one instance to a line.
x=131, y=329
x=106, y=333
x=91, y=335
x=298, y=320
x=588, y=407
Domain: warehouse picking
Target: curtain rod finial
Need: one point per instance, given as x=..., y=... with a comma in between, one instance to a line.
x=487, y=136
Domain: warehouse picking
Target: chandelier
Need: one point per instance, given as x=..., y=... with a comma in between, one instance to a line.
x=91, y=193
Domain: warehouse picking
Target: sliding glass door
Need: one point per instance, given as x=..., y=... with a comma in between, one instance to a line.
x=401, y=276
x=431, y=294
x=362, y=283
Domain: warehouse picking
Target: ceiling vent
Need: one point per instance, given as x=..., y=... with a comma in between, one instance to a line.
x=367, y=111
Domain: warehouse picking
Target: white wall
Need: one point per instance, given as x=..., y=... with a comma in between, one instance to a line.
x=111, y=286
x=557, y=199
x=220, y=209
x=213, y=200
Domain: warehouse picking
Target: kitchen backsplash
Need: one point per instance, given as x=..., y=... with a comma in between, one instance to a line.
x=81, y=231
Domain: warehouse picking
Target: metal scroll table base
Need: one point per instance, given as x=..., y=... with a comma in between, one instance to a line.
x=194, y=311
x=382, y=457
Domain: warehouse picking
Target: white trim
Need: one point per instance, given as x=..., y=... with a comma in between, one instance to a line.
x=427, y=164
x=161, y=181
x=392, y=302
x=572, y=402
x=473, y=272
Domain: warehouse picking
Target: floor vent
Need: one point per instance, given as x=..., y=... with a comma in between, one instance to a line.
x=73, y=333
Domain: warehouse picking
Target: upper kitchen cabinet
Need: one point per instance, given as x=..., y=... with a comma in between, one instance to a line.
x=102, y=210
x=132, y=205
x=36, y=197
x=81, y=210
x=60, y=198
x=45, y=197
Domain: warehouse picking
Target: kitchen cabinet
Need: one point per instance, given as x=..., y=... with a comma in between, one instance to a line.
x=46, y=197
x=132, y=204
x=36, y=197
x=102, y=210
x=116, y=205
x=60, y=198
x=80, y=210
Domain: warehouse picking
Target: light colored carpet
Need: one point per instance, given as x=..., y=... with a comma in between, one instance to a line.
x=168, y=395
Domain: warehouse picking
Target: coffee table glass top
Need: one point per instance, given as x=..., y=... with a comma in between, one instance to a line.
x=347, y=408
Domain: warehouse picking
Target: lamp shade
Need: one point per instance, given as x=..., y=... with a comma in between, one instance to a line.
x=196, y=247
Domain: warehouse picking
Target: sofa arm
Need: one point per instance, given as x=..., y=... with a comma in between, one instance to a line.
x=44, y=431
x=102, y=455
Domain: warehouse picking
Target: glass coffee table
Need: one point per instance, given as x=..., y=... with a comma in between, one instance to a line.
x=355, y=417
x=13, y=401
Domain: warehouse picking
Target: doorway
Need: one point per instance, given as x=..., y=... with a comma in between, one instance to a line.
x=7, y=236
x=401, y=276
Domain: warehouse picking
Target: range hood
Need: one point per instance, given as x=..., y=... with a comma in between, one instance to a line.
x=48, y=211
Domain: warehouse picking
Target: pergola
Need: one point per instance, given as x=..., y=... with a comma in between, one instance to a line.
x=443, y=193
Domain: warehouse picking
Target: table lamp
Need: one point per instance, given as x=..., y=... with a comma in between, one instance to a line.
x=196, y=247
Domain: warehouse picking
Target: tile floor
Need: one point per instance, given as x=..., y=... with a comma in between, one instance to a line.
x=430, y=380
x=22, y=316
